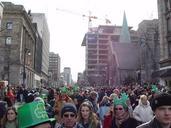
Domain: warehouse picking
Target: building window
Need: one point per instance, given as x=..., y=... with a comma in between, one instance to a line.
x=108, y=30
x=169, y=24
x=92, y=38
x=8, y=40
x=168, y=5
x=115, y=38
x=169, y=48
x=9, y=25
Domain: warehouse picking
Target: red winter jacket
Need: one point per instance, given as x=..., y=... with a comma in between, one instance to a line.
x=107, y=121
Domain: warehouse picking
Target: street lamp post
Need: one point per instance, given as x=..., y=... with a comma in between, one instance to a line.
x=8, y=46
x=26, y=52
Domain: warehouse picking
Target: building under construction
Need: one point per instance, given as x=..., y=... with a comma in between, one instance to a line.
x=101, y=66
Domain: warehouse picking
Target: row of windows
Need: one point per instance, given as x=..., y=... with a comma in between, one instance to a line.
x=95, y=46
x=92, y=56
x=103, y=36
x=101, y=73
x=101, y=61
x=94, y=52
x=103, y=46
x=103, y=52
x=8, y=39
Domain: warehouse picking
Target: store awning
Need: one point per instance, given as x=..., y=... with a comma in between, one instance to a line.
x=162, y=73
x=166, y=73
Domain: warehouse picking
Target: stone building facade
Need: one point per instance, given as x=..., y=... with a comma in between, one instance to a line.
x=16, y=41
x=150, y=54
x=164, y=14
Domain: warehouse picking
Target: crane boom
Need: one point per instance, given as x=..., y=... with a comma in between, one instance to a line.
x=90, y=17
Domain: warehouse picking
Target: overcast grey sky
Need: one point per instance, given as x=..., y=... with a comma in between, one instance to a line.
x=67, y=29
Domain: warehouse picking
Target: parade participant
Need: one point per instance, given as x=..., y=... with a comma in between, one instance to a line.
x=86, y=94
x=104, y=106
x=60, y=100
x=116, y=91
x=19, y=94
x=93, y=99
x=77, y=96
x=29, y=98
x=68, y=117
x=34, y=115
x=3, y=108
x=108, y=117
x=161, y=105
x=50, y=95
x=7, y=100
x=49, y=108
x=113, y=96
x=122, y=117
x=143, y=112
x=154, y=92
x=87, y=117
x=10, y=95
x=10, y=118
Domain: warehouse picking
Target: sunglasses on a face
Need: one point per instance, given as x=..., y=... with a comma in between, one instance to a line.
x=118, y=109
x=69, y=115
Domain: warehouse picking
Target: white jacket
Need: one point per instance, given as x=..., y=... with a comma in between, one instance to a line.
x=143, y=113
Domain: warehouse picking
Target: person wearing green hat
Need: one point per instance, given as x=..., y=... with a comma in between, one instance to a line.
x=122, y=118
x=49, y=108
x=34, y=115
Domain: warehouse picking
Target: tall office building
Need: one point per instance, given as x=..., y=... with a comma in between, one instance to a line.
x=44, y=33
x=67, y=76
x=54, y=69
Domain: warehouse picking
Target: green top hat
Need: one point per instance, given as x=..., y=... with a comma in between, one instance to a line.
x=32, y=114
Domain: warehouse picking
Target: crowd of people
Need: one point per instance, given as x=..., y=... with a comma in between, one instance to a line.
x=134, y=106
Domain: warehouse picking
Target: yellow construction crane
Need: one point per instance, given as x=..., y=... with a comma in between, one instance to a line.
x=90, y=17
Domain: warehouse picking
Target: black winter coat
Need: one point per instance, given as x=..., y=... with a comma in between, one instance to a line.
x=129, y=123
x=151, y=124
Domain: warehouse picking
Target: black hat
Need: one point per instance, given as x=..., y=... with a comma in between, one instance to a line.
x=68, y=107
x=161, y=100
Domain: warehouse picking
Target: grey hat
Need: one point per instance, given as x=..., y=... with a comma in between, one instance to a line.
x=68, y=107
